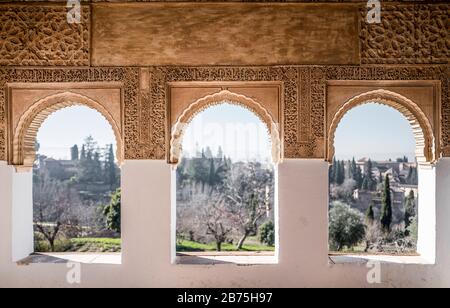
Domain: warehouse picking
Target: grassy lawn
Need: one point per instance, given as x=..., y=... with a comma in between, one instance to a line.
x=96, y=244
x=114, y=245
x=189, y=246
x=81, y=245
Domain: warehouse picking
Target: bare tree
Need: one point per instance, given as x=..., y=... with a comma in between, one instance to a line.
x=373, y=234
x=52, y=207
x=216, y=217
x=250, y=196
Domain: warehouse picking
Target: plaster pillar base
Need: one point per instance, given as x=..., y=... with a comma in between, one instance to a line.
x=16, y=212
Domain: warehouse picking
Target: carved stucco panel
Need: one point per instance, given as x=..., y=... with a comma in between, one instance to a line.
x=39, y=35
x=129, y=77
x=407, y=34
x=155, y=101
x=304, y=99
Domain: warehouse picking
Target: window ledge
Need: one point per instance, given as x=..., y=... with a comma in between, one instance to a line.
x=387, y=259
x=226, y=258
x=83, y=258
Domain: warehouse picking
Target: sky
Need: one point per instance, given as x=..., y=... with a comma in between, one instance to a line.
x=67, y=127
x=375, y=131
x=370, y=130
x=238, y=131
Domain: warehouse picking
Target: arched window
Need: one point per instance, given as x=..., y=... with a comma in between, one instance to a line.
x=225, y=186
x=374, y=205
x=76, y=184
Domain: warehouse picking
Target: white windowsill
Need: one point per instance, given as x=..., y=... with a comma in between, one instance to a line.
x=83, y=258
x=387, y=259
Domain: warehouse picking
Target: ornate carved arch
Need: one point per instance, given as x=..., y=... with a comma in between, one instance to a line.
x=221, y=97
x=23, y=151
x=422, y=129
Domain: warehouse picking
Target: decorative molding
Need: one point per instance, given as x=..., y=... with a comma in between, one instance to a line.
x=422, y=129
x=407, y=34
x=304, y=99
x=175, y=150
x=288, y=75
x=24, y=139
x=39, y=35
x=404, y=73
x=128, y=77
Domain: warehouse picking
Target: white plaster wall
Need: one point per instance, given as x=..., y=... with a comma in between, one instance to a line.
x=17, y=199
x=5, y=215
x=303, y=262
x=443, y=221
x=426, y=244
x=22, y=214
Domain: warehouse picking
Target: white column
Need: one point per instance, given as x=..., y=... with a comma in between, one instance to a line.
x=426, y=245
x=303, y=212
x=16, y=208
x=146, y=212
x=443, y=217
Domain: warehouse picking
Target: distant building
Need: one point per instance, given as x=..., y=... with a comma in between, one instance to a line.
x=398, y=174
x=59, y=169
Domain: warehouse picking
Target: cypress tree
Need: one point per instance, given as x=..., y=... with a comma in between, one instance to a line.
x=332, y=171
x=349, y=173
x=358, y=177
x=220, y=153
x=97, y=167
x=365, y=184
x=386, y=210
x=212, y=174
x=343, y=171
x=410, y=209
x=370, y=215
x=110, y=167
x=369, y=176
x=339, y=176
x=208, y=153
x=83, y=153
x=353, y=168
x=74, y=152
x=356, y=173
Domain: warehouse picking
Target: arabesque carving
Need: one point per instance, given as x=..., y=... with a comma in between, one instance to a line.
x=128, y=77
x=407, y=34
x=224, y=96
x=39, y=35
x=422, y=129
x=24, y=139
x=304, y=93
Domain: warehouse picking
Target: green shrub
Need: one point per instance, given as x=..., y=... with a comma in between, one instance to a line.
x=346, y=226
x=267, y=233
x=112, y=212
x=413, y=228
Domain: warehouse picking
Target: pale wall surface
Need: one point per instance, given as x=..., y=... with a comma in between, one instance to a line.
x=224, y=34
x=146, y=216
